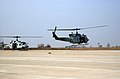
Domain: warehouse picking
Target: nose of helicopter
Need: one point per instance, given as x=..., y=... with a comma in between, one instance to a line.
x=86, y=40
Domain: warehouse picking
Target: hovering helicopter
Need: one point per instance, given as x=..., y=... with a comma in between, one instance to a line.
x=16, y=44
x=74, y=38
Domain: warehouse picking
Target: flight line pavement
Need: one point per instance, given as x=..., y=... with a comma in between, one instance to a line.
x=60, y=64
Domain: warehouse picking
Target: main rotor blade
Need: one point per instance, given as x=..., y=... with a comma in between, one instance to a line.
x=31, y=37
x=93, y=27
x=21, y=36
x=9, y=36
x=63, y=29
x=76, y=28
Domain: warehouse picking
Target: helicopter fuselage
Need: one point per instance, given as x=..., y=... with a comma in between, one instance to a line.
x=73, y=38
x=18, y=45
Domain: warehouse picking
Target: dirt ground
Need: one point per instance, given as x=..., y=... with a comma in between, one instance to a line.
x=60, y=64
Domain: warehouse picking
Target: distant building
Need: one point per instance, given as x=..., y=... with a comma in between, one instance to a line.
x=48, y=46
x=41, y=46
x=99, y=45
x=108, y=44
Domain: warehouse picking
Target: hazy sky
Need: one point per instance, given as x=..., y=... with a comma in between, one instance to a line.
x=34, y=17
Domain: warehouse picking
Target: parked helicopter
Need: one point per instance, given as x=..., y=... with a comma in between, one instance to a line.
x=2, y=45
x=74, y=38
x=19, y=45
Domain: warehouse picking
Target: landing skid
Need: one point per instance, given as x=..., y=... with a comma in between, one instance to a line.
x=84, y=44
x=77, y=46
